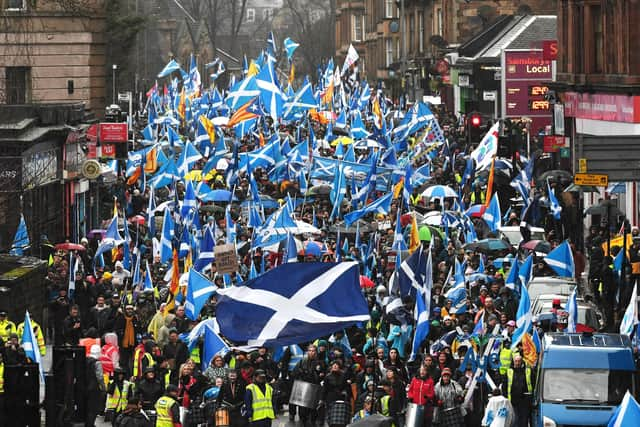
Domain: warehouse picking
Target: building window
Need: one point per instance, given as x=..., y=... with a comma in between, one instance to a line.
x=251, y=15
x=358, y=28
x=16, y=5
x=398, y=49
x=389, y=8
x=267, y=14
x=388, y=48
x=598, y=39
x=17, y=81
x=420, y=32
x=439, y=26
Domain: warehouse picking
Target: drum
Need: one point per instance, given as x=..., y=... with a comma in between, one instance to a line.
x=184, y=412
x=414, y=415
x=222, y=417
x=451, y=417
x=305, y=394
x=339, y=413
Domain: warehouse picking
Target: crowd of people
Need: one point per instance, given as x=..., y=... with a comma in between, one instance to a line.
x=143, y=369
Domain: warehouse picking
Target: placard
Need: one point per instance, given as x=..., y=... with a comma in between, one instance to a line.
x=226, y=258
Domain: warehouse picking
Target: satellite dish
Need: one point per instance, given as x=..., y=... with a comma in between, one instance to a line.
x=91, y=169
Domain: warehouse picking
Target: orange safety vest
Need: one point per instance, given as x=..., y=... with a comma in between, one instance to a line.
x=87, y=343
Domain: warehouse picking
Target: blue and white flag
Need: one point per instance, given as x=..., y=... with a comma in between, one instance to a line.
x=199, y=290
x=317, y=299
x=291, y=250
x=523, y=318
x=189, y=204
x=458, y=293
x=556, y=209
x=166, y=238
x=398, y=239
x=242, y=92
x=627, y=414
x=188, y=157
x=618, y=262
x=290, y=46
x=572, y=310
x=512, y=277
x=630, y=318
x=382, y=205
x=74, y=266
x=148, y=281
x=206, y=255
x=21, y=239
x=296, y=354
x=213, y=346
x=492, y=215
x=423, y=309
x=275, y=229
x=30, y=345
x=169, y=68
x=411, y=275
x=270, y=93
x=525, y=271
x=561, y=260
x=111, y=240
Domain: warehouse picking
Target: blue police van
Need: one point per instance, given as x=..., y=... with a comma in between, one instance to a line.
x=582, y=378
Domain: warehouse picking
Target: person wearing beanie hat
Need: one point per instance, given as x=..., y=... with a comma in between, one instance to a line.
x=131, y=416
x=449, y=395
x=232, y=392
x=120, y=274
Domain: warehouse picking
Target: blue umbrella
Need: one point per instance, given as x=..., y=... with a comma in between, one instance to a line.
x=439, y=191
x=313, y=249
x=217, y=196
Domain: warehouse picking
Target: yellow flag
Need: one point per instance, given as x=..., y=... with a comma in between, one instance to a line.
x=187, y=262
x=414, y=237
x=209, y=127
x=397, y=189
x=253, y=69
x=292, y=73
x=529, y=353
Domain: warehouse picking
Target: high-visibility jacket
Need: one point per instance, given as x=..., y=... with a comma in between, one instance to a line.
x=163, y=411
x=37, y=331
x=137, y=363
x=195, y=355
x=527, y=376
x=384, y=407
x=7, y=327
x=473, y=197
x=261, y=404
x=1, y=378
x=505, y=360
x=414, y=199
x=87, y=343
x=107, y=356
x=118, y=400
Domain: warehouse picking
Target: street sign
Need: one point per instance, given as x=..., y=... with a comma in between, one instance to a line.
x=489, y=95
x=124, y=97
x=582, y=165
x=598, y=180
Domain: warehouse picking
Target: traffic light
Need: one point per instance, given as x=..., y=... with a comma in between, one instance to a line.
x=474, y=128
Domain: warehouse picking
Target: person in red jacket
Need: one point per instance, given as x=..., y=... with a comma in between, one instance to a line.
x=422, y=392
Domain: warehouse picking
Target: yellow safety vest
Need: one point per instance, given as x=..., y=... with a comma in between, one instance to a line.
x=38, y=333
x=384, y=407
x=262, y=407
x=163, y=407
x=195, y=355
x=505, y=360
x=118, y=401
x=137, y=365
x=1, y=378
x=7, y=327
x=527, y=376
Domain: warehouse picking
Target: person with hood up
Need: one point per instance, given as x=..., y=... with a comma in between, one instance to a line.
x=95, y=387
x=499, y=412
x=149, y=388
x=163, y=331
x=449, y=398
x=117, y=394
x=110, y=355
x=120, y=274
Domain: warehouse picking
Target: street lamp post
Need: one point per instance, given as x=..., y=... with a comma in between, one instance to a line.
x=113, y=83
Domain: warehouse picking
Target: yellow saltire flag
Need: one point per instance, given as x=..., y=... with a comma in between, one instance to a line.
x=487, y=200
x=182, y=105
x=292, y=73
x=174, y=284
x=253, y=69
x=187, y=262
x=414, y=237
x=529, y=353
x=209, y=127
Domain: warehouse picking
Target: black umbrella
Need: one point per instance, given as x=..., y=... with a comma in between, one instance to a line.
x=604, y=208
x=488, y=246
x=319, y=190
x=557, y=174
x=376, y=420
x=365, y=227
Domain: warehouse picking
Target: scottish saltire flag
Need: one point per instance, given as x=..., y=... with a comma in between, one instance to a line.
x=572, y=309
x=492, y=215
x=512, y=277
x=30, y=345
x=382, y=205
x=561, y=260
x=207, y=244
x=341, y=121
x=291, y=250
x=231, y=225
x=148, y=281
x=358, y=129
x=169, y=68
x=630, y=318
x=468, y=172
x=338, y=191
x=487, y=149
x=556, y=209
x=398, y=239
x=525, y=270
x=242, y=92
x=301, y=101
x=166, y=238
x=411, y=275
x=213, y=346
x=189, y=204
x=627, y=414
x=407, y=188
x=618, y=261
x=188, y=157
x=199, y=290
x=290, y=46
x=523, y=318
x=423, y=308
x=294, y=350
x=275, y=229
x=21, y=239
x=111, y=240
x=421, y=175
x=317, y=299
x=270, y=93
x=458, y=293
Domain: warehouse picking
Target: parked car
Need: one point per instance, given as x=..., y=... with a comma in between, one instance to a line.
x=550, y=285
x=588, y=315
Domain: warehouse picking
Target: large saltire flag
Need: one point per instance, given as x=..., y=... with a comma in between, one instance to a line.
x=21, y=239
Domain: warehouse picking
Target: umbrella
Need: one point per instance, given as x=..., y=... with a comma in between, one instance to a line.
x=488, y=246
x=312, y=248
x=559, y=174
x=439, y=191
x=69, y=247
x=220, y=121
x=368, y=143
x=212, y=209
x=584, y=188
x=376, y=420
x=217, y=196
x=365, y=227
x=96, y=232
x=319, y=190
x=344, y=140
x=365, y=282
x=304, y=227
x=537, y=246
x=603, y=208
